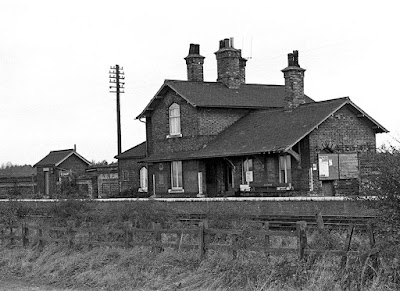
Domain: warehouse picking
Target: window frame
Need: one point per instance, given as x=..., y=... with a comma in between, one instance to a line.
x=285, y=167
x=174, y=118
x=176, y=177
x=125, y=175
x=143, y=179
x=247, y=166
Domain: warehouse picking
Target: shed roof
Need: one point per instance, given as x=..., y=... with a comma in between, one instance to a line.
x=55, y=158
x=138, y=151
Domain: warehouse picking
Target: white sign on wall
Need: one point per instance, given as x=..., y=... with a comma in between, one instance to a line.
x=323, y=166
x=249, y=176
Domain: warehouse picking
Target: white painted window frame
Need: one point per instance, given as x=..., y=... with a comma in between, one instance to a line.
x=176, y=177
x=174, y=121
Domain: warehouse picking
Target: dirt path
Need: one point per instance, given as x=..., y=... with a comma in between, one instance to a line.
x=15, y=284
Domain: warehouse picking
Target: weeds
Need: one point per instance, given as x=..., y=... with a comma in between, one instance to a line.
x=142, y=269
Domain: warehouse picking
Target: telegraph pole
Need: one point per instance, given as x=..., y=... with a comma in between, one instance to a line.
x=116, y=75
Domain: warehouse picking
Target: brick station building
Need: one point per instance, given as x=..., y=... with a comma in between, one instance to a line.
x=228, y=137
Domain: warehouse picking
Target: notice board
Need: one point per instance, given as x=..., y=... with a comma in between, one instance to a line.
x=338, y=166
x=328, y=166
x=348, y=166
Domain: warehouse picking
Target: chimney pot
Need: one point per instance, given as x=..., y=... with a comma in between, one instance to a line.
x=226, y=42
x=290, y=60
x=296, y=58
x=192, y=49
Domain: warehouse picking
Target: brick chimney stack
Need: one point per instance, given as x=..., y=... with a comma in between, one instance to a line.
x=230, y=65
x=194, y=62
x=294, y=82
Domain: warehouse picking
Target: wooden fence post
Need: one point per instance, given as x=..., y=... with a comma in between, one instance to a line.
x=202, y=249
x=70, y=233
x=90, y=235
x=40, y=235
x=179, y=237
x=128, y=233
x=157, y=236
x=266, y=239
x=347, y=244
x=302, y=237
x=234, y=241
x=11, y=233
x=320, y=221
x=1, y=233
x=371, y=235
x=24, y=235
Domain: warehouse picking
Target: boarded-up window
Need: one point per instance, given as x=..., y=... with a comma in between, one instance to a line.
x=348, y=166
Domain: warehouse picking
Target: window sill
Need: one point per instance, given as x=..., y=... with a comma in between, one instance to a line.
x=174, y=135
x=142, y=190
x=177, y=190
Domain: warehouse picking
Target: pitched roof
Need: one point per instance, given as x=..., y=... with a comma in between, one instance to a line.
x=55, y=158
x=269, y=130
x=138, y=151
x=215, y=94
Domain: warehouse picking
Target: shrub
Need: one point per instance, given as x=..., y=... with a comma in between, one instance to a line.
x=384, y=185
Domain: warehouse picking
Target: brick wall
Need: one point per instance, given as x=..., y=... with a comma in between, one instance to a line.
x=162, y=178
x=214, y=120
x=53, y=178
x=198, y=125
x=40, y=180
x=345, y=133
x=75, y=164
x=133, y=168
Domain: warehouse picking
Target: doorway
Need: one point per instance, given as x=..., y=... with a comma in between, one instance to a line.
x=46, y=183
x=212, y=178
x=327, y=188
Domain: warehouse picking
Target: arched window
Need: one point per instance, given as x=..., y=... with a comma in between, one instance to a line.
x=174, y=120
x=143, y=179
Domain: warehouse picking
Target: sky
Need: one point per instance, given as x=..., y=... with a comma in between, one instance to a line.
x=55, y=58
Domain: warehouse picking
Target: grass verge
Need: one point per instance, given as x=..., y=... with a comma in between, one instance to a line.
x=142, y=269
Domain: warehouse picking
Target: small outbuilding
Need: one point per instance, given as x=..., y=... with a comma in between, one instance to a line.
x=57, y=169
